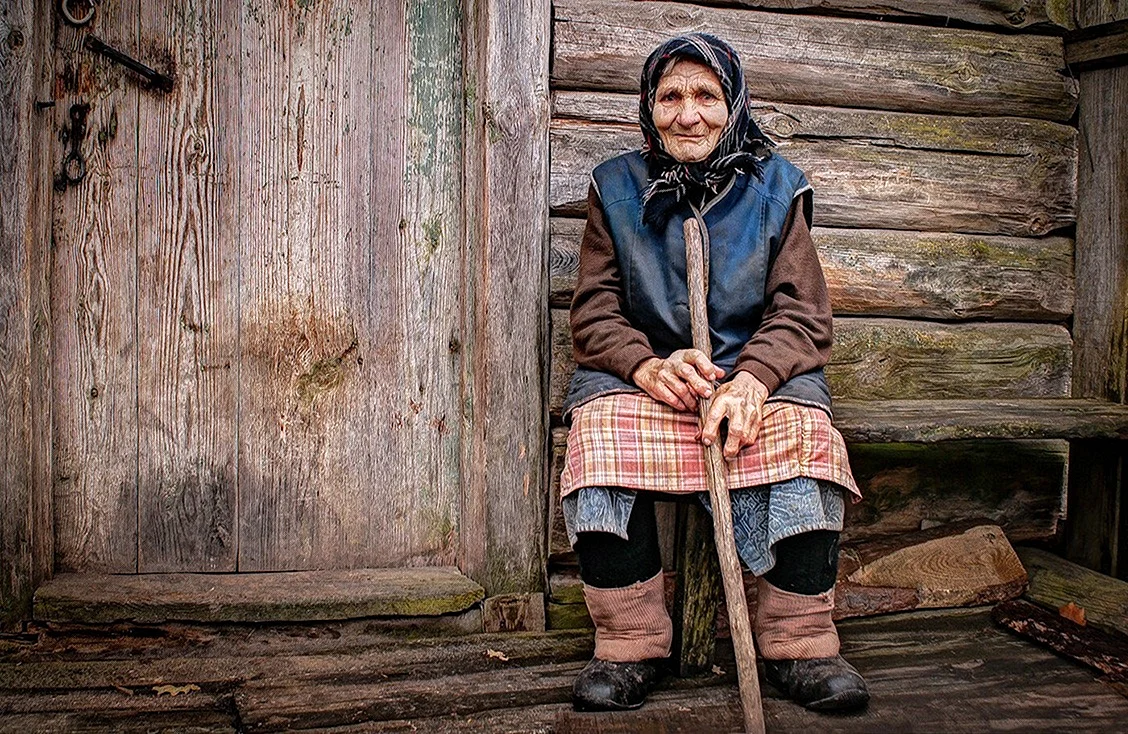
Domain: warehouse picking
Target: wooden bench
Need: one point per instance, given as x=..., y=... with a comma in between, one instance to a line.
x=697, y=595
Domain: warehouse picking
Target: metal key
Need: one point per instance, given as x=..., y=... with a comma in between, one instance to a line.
x=156, y=79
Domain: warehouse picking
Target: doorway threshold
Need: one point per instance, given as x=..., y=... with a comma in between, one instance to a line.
x=242, y=598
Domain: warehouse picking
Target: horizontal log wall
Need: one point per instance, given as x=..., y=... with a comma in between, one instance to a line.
x=944, y=167
x=600, y=44
x=1046, y=15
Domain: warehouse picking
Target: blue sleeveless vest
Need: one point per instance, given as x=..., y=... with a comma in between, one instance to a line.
x=743, y=226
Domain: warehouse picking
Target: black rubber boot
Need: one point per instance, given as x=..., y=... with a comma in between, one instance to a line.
x=606, y=686
x=820, y=684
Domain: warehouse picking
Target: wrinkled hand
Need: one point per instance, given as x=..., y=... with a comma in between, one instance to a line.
x=678, y=380
x=741, y=401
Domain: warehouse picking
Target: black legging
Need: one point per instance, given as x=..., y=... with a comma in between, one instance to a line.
x=805, y=564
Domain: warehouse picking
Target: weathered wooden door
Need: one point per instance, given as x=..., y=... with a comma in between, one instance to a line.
x=256, y=287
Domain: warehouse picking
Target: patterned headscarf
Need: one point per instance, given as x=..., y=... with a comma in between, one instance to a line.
x=742, y=145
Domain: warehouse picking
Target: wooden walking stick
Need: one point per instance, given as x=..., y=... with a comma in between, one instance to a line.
x=731, y=576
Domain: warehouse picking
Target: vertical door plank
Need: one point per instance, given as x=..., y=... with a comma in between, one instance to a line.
x=187, y=303
x=424, y=399
x=506, y=190
x=299, y=350
x=94, y=296
x=351, y=258
x=25, y=527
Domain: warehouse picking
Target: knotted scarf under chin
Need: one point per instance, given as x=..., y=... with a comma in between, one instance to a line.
x=742, y=146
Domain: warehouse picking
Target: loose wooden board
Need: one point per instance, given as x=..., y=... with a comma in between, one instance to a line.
x=601, y=44
x=1104, y=651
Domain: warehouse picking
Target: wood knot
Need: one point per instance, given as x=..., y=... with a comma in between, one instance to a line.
x=781, y=125
x=679, y=17
x=15, y=39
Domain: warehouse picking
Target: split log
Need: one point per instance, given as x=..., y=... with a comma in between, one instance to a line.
x=1010, y=14
x=894, y=359
x=908, y=274
x=601, y=44
x=863, y=179
x=966, y=564
x=1055, y=582
x=1090, y=646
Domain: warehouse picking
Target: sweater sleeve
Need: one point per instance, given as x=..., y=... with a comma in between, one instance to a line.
x=797, y=329
x=602, y=337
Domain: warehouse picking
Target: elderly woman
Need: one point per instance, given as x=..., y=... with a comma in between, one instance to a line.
x=632, y=401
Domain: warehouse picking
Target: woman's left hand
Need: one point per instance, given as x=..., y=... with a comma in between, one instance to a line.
x=741, y=400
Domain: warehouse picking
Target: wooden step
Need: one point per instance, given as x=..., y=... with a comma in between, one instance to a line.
x=928, y=421
x=295, y=596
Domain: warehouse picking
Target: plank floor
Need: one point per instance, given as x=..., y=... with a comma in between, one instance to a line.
x=949, y=671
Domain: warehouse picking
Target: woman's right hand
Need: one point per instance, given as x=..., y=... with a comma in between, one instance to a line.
x=678, y=380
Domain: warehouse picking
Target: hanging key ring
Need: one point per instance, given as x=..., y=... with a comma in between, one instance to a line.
x=64, y=8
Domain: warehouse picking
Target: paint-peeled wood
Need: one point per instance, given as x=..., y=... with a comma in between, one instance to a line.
x=862, y=180
x=601, y=44
x=94, y=293
x=188, y=304
x=908, y=274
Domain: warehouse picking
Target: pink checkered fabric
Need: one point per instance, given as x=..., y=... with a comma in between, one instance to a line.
x=635, y=442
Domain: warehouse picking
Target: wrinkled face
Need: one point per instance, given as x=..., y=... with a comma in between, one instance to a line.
x=690, y=110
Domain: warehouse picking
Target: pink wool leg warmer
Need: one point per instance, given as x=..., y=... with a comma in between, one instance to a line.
x=791, y=626
x=631, y=622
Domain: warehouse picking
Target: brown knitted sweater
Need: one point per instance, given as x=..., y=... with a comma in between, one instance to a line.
x=794, y=336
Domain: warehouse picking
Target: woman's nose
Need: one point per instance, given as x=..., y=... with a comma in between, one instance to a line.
x=688, y=115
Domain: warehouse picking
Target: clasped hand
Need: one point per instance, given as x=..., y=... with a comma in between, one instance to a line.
x=687, y=375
